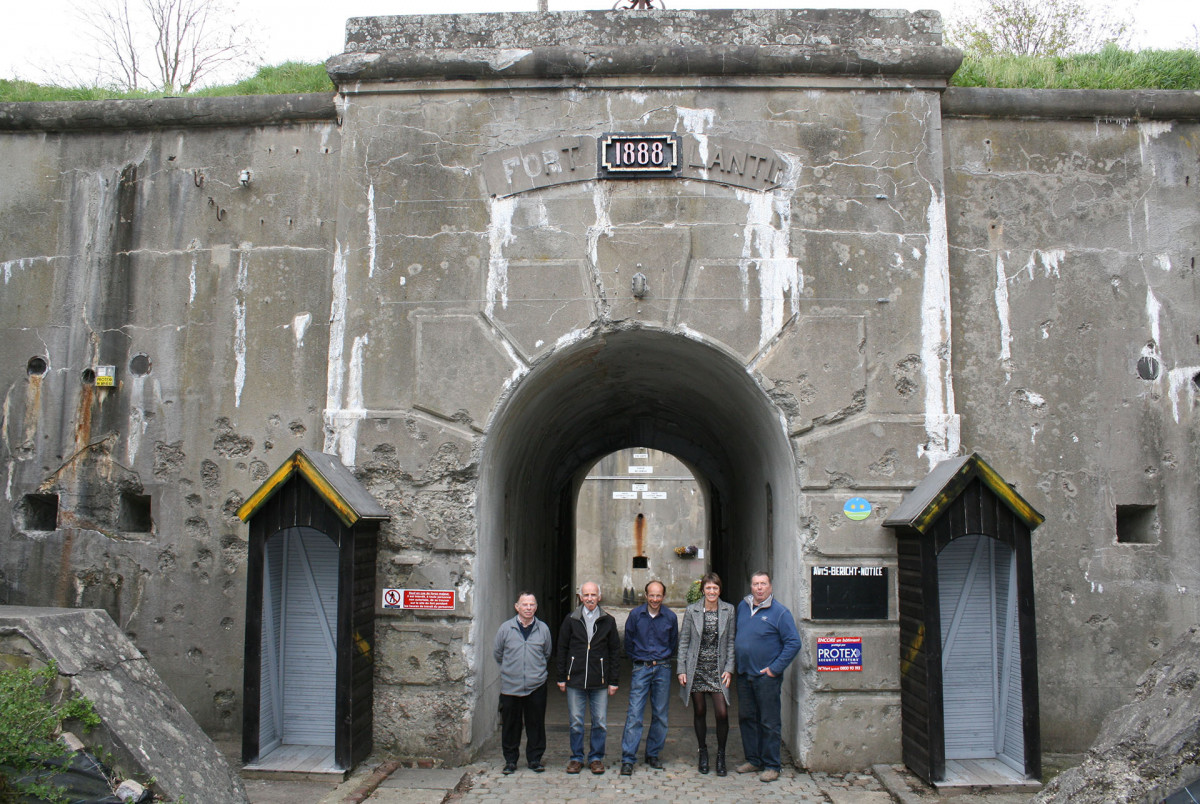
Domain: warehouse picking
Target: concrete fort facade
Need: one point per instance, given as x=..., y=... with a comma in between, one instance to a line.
x=769, y=243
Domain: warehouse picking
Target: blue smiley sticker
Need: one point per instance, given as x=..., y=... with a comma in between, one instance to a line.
x=857, y=508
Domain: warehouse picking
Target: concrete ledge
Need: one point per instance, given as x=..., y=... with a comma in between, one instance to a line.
x=1067, y=104
x=661, y=60
x=234, y=111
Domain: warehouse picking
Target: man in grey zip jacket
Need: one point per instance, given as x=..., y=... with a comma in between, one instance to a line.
x=522, y=649
x=589, y=654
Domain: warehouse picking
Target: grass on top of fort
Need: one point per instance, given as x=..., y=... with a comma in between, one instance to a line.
x=1111, y=68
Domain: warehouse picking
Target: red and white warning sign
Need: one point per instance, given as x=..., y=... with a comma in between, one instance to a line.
x=430, y=599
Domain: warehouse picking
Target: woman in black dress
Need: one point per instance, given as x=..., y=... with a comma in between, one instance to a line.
x=705, y=665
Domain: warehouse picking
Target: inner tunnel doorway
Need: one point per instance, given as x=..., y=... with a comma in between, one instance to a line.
x=616, y=390
x=640, y=516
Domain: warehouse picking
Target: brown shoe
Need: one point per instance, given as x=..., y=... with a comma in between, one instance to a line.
x=597, y=767
x=748, y=767
x=574, y=766
x=769, y=775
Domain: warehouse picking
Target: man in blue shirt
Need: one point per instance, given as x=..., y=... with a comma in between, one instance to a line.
x=765, y=642
x=651, y=635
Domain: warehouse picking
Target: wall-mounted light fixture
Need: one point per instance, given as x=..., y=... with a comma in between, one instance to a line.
x=640, y=285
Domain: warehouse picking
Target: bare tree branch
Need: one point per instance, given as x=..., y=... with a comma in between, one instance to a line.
x=166, y=45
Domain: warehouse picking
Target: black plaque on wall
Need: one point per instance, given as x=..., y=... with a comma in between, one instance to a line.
x=849, y=593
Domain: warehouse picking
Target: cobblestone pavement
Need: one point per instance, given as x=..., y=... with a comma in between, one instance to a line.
x=679, y=781
x=676, y=782
x=383, y=782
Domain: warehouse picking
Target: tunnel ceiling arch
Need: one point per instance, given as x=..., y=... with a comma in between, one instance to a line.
x=636, y=387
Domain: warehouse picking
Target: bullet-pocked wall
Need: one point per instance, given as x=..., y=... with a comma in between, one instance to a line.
x=769, y=302
x=129, y=240
x=1085, y=343
x=443, y=275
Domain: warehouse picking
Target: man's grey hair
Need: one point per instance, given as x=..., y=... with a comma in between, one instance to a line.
x=599, y=591
x=763, y=573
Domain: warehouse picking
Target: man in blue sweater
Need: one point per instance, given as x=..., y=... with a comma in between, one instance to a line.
x=765, y=642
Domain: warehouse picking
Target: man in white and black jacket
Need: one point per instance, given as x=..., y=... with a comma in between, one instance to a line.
x=589, y=655
x=522, y=649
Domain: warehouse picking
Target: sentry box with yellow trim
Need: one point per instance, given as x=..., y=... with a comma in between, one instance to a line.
x=313, y=540
x=965, y=582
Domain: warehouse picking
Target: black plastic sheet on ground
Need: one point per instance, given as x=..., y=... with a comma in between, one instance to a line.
x=82, y=778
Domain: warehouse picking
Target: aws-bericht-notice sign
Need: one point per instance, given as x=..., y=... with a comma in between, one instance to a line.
x=849, y=593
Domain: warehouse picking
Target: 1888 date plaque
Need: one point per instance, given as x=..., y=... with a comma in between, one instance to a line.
x=635, y=155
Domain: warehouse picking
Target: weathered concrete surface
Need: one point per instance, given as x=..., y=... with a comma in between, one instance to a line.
x=792, y=27
x=663, y=43
x=145, y=243
x=379, y=289
x=1073, y=253
x=780, y=284
x=1057, y=104
x=1148, y=748
x=153, y=113
x=145, y=726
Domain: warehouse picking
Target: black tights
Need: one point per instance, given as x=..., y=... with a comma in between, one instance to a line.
x=700, y=717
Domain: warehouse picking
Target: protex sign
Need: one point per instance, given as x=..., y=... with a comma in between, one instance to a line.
x=839, y=654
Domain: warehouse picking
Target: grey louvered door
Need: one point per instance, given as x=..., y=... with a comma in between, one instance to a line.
x=270, y=729
x=1010, y=736
x=981, y=683
x=299, y=660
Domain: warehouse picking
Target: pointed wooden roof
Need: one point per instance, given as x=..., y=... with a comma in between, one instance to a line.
x=921, y=507
x=335, y=484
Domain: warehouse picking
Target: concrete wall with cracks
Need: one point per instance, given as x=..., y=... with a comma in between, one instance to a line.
x=342, y=273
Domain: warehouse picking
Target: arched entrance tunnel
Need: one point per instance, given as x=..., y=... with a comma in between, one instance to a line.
x=614, y=389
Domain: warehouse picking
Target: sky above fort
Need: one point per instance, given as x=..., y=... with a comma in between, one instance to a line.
x=43, y=40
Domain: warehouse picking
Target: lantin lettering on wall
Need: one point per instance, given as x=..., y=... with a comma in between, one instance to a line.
x=648, y=155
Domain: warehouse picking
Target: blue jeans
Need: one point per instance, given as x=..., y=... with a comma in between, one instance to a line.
x=597, y=701
x=759, y=717
x=655, y=683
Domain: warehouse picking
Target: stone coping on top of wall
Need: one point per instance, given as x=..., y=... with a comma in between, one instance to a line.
x=1065, y=104
x=152, y=113
x=561, y=44
x=251, y=110
x=588, y=29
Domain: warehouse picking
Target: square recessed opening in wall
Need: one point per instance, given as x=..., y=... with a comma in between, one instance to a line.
x=40, y=512
x=1137, y=524
x=134, y=516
